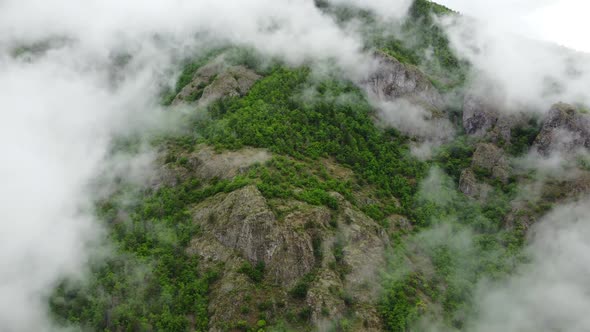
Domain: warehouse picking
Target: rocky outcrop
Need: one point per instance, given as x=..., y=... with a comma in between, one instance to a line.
x=233, y=82
x=200, y=80
x=468, y=184
x=216, y=80
x=205, y=163
x=243, y=222
x=484, y=119
x=242, y=227
x=324, y=303
x=479, y=116
x=489, y=160
x=565, y=130
x=489, y=157
x=394, y=80
x=208, y=164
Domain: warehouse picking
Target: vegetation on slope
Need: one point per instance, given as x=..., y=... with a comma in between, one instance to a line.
x=303, y=120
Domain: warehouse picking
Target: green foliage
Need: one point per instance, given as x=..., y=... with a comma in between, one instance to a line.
x=430, y=35
x=255, y=273
x=338, y=251
x=318, y=197
x=299, y=291
x=455, y=157
x=280, y=177
x=333, y=119
x=316, y=242
x=523, y=137
x=422, y=8
x=462, y=240
x=400, y=306
x=396, y=48
x=152, y=283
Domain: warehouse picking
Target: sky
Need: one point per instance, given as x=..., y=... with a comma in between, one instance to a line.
x=560, y=21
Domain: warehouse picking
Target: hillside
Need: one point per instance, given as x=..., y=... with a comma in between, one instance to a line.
x=292, y=202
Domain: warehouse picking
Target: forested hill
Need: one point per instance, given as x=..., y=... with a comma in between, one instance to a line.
x=293, y=201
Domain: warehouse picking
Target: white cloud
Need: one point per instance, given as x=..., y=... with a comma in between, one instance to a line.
x=559, y=21
x=531, y=73
x=551, y=293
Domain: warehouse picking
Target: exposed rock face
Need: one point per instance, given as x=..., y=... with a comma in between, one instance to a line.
x=491, y=158
x=217, y=80
x=483, y=118
x=398, y=223
x=478, y=115
x=564, y=130
x=502, y=131
x=207, y=164
x=365, y=244
x=468, y=183
x=321, y=300
x=235, y=81
x=394, y=80
x=201, y=79
x=241, y=226
x=242, y=221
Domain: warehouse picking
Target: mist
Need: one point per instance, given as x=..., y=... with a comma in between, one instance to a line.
x=511, y=54
x=551, y=292
x=60, y=113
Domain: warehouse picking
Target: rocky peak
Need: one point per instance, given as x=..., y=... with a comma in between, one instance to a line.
x=215, y=80
x=565, y=129
x=394, y=80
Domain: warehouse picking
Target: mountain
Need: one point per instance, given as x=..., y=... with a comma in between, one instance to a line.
x=294, y=200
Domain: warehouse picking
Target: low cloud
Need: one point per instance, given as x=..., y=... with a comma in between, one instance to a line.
x=530, y=73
